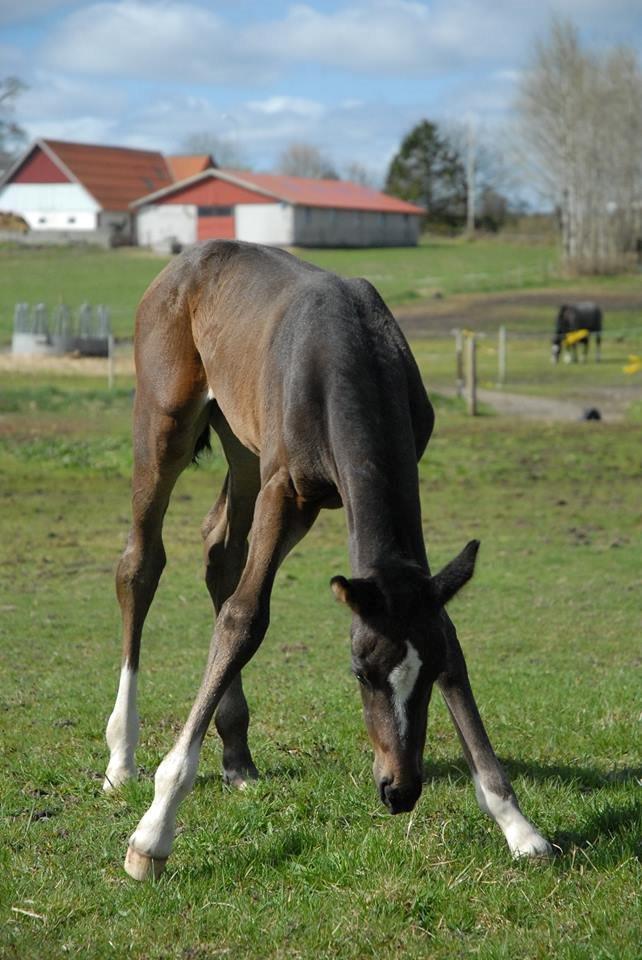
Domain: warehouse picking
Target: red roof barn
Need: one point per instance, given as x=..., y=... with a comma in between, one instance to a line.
x=267, y=208
x=118, y=194
x=73, y=187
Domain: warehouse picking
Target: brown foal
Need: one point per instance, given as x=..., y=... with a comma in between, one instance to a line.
x=317, y=401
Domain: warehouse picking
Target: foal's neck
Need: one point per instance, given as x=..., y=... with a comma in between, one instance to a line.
x=383, y=514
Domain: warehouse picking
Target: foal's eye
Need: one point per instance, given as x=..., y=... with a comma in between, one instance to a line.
x=362, y=679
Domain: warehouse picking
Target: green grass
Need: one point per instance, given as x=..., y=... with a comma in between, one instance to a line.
x=73, y=275
x=308, y=864
x=118, y=278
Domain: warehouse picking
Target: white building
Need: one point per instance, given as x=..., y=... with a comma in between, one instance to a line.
x=80, y=189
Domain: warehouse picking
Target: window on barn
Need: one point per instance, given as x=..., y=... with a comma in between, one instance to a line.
x=71, y=219
x=215, y=211
x=42, y=219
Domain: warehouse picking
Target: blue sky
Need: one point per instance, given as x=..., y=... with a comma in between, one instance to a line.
x=350, y=76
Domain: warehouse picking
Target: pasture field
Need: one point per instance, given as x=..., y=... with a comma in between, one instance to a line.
x=407, y=275
x=307, y=863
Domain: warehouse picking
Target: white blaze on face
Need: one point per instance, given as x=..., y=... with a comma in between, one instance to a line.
x=402, y=679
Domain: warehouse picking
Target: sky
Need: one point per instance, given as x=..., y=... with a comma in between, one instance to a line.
x=349, y=76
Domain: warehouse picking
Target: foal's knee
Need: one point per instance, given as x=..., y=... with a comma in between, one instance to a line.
x=139, y=569
x=240, y=627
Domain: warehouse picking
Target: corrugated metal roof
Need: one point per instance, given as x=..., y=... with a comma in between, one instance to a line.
x=302, y=191
x=115, y=176
x=182, y=167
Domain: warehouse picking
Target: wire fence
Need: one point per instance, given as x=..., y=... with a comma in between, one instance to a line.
x=86, y=331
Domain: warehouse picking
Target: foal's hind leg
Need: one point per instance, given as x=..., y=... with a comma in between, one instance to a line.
x=279, y=522
x=163, y=446
x=225, y=532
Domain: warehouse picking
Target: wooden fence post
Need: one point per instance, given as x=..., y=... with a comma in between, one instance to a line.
x=110, y=361
x=459, y=362
x=501, y=356
x=471, y=374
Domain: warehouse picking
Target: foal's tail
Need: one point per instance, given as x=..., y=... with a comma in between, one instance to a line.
x=203, y=444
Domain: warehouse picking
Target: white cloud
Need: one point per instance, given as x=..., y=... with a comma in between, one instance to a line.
x=21, y=11
x=281, y=104
x=389, y=36
x=172, y=42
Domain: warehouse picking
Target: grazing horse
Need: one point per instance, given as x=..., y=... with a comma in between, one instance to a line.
x=317, y=401
x=575, y=323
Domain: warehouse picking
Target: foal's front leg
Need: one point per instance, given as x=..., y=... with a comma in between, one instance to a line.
x=495, y=794
x=241, y=625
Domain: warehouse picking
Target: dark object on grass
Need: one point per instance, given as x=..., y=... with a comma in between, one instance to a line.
x=591, y=413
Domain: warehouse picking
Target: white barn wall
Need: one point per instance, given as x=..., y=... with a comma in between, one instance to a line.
x=271, y=223
x=324, y=227
x=51, y=206
x=160, y=225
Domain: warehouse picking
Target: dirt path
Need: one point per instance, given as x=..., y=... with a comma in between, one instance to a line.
x=611, y=403
x=480, y=311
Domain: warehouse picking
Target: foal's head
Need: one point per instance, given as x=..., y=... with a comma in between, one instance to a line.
x=398, y=649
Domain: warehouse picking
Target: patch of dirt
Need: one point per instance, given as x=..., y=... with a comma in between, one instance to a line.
x=481, y=310
x=69, y=365
x=611, y=402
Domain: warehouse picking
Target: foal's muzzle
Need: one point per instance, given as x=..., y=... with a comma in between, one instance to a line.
x=399, y=799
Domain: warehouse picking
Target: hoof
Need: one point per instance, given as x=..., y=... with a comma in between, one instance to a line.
x=241, y=778
x=117, y=777
x=533, y=846
x=141, y=867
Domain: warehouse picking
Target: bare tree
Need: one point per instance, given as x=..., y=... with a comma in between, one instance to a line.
x=581, y=135
x=226, y=152
x=305, y=160
x=12, y=136
x=357, y=173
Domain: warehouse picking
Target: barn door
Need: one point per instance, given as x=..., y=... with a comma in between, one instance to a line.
x=216, y=223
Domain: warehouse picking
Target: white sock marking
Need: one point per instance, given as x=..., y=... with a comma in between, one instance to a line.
x=122, y=732
x=402, y=679
x=154, y=835
x=522, y=837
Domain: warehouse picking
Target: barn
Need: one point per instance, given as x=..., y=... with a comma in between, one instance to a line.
x=82, y=190
x=273, y=209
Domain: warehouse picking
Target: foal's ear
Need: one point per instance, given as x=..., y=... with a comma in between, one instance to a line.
x=445, y=584
x=362, y=596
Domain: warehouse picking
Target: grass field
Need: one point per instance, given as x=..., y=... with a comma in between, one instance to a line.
x=308, y=863
x=405, y=275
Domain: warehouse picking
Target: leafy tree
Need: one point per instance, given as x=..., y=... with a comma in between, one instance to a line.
x=492, y=210
x=12, y=136
x=428, y=171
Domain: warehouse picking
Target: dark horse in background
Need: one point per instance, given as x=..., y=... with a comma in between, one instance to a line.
x=572, y=318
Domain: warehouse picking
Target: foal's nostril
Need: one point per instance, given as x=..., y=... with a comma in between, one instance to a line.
x=384, y=786
x=399, y=800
